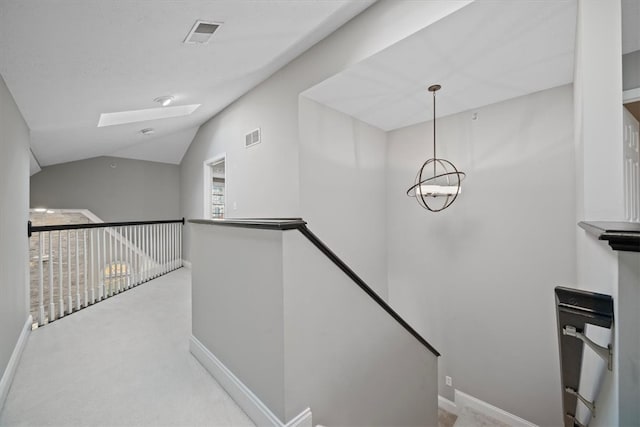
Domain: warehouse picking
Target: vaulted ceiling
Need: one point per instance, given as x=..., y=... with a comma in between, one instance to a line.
x=68, y=61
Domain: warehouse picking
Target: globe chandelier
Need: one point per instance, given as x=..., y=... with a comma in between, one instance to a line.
x=438, y=181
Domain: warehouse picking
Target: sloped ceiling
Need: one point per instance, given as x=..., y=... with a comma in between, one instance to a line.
x=68, y=61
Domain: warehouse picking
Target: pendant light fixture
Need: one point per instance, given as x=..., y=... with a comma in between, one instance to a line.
x=437, y=183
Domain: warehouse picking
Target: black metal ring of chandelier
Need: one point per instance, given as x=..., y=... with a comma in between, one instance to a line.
x=416, y=189
x=435, y=180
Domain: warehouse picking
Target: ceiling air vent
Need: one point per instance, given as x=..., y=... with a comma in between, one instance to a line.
x=252, y=138
x=201, y=32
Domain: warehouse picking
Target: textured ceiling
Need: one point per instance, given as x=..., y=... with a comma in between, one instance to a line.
x=486, y=52
x=68, y=61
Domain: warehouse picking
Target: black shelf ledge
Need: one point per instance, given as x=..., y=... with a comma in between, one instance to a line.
x=622, y=236
x=259, y=223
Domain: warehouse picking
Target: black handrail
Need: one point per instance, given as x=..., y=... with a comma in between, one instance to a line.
x=39, y=228
x=361, y=283
x=261, y=223
x=301, y=225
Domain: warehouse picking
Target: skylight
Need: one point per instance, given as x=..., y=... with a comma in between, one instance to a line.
x=122, y=117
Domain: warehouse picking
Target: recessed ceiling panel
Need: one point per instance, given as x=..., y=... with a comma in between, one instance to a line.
x=122, y=117
x=484, y=53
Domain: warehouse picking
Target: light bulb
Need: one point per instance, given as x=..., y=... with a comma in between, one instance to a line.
x=439, y=190
x=164, y=100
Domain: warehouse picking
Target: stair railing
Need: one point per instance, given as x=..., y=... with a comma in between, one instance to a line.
x=76, y=265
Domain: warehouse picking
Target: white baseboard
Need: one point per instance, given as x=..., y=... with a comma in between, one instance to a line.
x=447, y=405
x=303, y=419
x=463, y=399
x=10, y=371
x=240, y=393
x=186, y=264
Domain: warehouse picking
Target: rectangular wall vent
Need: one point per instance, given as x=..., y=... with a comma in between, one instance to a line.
x=252, y=138
x=201, y=32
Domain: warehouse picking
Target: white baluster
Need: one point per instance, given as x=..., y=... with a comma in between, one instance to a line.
x=134, y=255
x=111, y=262
x=142, y=257
x=40, y=282
x=174, y=250
x=93, y=266
x=164, y=249
x=60, y=276
x=103, y=265
x=127, y=257
x=121, y=283
x=161, y=249
x=153, y=251
x=180, y=245
x=149, y=253
x=171, y=258
x=84, y=253
x=156, y=250
x=118, y=242
x=78, y=301
x=70, y=293
x=138, y=254
x=52, y=306
x=124, y=262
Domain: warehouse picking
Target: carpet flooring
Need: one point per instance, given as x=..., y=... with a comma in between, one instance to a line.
x=122, y=362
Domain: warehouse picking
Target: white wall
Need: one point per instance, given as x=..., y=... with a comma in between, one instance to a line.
x=262, y=181
x=237, y=305
x=631, y=70
x=343, y=188
x=300, y=334
x=135, y=190
x=477, y=279
x=14, y=214
x=599, y=178
x=346, y=358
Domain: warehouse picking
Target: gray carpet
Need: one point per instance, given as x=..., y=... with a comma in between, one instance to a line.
x=122, y=362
